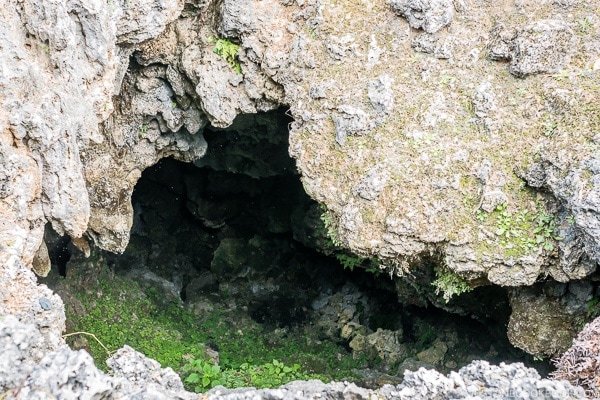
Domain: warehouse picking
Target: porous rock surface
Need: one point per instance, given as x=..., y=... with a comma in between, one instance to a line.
x=581, y=363
x=67, y=374
x=414, y=121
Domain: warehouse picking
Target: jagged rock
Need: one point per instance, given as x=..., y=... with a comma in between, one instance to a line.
x=478, y=380
x=143, y=371
x=73, y=156
x=31, y=372
x=146, y=19
x=429, y=15
x=543, y=46
x=540, y=325
x=581, y=362
x=351, y=121
x=433, y=355
x=482, y=381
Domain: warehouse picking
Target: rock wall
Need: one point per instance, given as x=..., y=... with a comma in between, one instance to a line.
x=461, y=131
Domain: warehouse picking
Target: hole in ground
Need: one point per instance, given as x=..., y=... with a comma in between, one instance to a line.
x=231, y=253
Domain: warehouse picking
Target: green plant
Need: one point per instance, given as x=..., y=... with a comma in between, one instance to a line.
x=523, y=231
x=229, y=52
x=549, y=127
x=544, y=231
x=143, y=129
x=273, y=374
x=449, y=284
x=118, y=311
x=585, y=26
x=330, y=228
x=349, y=261
x=374, y=266
x=202, y=374
x=593, y=311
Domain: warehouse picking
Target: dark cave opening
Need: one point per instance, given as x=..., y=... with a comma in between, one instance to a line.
x=59, y=250
x=236, y=231
x=238, y=223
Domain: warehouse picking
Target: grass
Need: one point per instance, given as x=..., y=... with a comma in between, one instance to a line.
x=118, y=312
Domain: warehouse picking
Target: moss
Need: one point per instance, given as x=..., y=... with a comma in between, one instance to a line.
x=119, y=312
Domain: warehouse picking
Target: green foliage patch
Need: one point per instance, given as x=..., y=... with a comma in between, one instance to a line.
x=118, y=311
x=448, y=284
x=523, y=231
x=203, y=375
x=229, y=52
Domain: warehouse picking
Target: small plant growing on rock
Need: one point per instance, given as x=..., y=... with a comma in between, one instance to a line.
x=229, y=51
x=203, y=375
x=330, y=228
x=449, y=284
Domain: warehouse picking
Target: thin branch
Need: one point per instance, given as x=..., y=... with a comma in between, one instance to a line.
x=89, y=334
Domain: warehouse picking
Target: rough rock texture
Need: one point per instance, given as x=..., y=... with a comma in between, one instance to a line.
x=581, y=363
x=29, y=371
x=419, y=146
x=478, y=380
x=68, y=374
x=540, y=324
x=60, y=66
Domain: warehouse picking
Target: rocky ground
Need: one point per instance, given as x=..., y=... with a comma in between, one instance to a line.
x=67, y=374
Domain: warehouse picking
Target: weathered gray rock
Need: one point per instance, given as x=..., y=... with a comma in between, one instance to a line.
x=22, y=347
x=31, y=370
x=237, y=18
x=429, y=15
x=145, y=19
x=581, y=362
x=143, y=371
x=400, y=188
x=351, y=121
x=541, y=325
x=543, y=46
x=480, y=380
x=28, y=371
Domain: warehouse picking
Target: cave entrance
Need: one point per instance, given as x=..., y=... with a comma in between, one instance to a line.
x=229, y=261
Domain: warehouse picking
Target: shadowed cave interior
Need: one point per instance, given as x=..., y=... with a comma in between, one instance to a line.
x=236, y=236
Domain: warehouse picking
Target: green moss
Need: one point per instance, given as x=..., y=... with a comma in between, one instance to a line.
x=521, y=231
x=119, y=312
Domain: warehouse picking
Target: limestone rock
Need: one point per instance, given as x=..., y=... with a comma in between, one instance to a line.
x=142, y=371
x=540, y=325
x=429, y=15
x=543, y=46
x=407, y=169
x=31, y=372
x=581, y=362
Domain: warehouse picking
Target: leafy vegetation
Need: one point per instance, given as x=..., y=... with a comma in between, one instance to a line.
x=347, y=259
x=448, y=284
x=522, y=231
x=203, y=375
x=119, y=311
x=229, y=51
x=330, y=230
